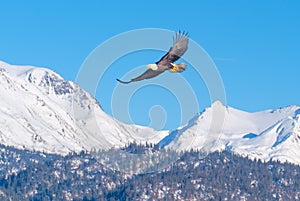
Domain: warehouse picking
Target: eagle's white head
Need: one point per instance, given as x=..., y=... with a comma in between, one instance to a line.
x=152, y=66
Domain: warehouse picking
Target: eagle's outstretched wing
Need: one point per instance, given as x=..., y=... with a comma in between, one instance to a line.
x=180, y=45
x=146, y=75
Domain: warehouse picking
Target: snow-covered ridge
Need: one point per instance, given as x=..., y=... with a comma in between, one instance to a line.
x=267, y=135
x=42, y=111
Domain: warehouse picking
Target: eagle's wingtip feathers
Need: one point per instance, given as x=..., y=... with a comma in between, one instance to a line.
x=122, y=81
x=181, y=34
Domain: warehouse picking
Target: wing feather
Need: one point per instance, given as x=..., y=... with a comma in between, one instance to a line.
x=180, y=45
x=146, y=75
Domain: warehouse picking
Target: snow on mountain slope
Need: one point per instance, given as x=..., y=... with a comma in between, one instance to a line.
x=271, y=134
x=42, y=111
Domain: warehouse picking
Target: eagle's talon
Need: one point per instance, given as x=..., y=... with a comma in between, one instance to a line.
x=174, y=69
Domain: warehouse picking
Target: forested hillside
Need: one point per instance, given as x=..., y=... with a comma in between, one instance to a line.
x=26, y=175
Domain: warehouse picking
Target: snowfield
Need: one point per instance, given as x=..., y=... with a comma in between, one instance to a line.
x=39, y=110
x=266, y=135
x=42, y=111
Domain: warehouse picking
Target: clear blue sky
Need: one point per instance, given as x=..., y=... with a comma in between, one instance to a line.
x=254, y=44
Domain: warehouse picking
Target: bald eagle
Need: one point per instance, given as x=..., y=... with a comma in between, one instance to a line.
x=180, y=45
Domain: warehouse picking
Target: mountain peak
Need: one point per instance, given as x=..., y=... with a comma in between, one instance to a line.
x=268, y=135
x=42, y=111
x=217, y=103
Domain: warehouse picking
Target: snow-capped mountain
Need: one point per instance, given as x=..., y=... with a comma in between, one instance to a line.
x=40, y=110
x=266, y=135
